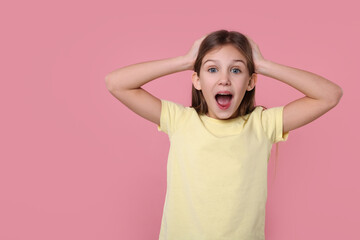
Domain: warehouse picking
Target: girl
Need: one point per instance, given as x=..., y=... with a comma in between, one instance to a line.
x=220, y=146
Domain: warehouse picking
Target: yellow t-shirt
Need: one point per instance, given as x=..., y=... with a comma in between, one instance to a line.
x=217, y=173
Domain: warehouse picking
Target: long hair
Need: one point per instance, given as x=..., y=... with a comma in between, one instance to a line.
x=240, y=42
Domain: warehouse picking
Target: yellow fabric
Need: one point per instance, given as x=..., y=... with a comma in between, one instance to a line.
x=217, y=173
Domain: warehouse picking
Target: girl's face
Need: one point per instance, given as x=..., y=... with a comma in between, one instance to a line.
x=223, y=70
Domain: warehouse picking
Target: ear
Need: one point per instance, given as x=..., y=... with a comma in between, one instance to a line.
x=196, y=81
x=252, y=82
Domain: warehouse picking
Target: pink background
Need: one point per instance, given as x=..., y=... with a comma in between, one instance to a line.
x=77, y=164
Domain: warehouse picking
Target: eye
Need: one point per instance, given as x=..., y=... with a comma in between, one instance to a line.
x=237, y=69
x=210, y=69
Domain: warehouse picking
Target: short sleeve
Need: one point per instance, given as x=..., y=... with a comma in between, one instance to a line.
x=170, y=117
x=272, y=123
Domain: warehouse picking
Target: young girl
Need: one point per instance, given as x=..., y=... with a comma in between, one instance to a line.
x=220, y=146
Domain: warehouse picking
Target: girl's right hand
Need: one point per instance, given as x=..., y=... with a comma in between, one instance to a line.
x=193, y=52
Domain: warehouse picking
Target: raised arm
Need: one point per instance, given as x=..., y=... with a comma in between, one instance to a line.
x=125, y=83
x=321, y=94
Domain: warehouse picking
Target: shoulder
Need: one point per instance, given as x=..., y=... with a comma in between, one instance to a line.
x=173, y=115
x=175, y=108
x=256, y=113
x=271, y=121
x=264, y=112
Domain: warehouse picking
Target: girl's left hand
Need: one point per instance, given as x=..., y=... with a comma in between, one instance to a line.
x=257, y=56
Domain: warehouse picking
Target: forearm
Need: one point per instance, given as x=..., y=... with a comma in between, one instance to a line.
x=312, y=85
x=136, y=75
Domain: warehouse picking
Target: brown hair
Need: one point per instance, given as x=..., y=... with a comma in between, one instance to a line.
x=239, y=41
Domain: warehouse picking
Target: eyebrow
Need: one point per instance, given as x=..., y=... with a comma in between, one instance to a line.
x=236, y=60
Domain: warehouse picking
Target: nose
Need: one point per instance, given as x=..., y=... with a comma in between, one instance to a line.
x=224, y=79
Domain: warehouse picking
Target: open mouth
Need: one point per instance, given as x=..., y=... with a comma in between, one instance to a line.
x=223, y=100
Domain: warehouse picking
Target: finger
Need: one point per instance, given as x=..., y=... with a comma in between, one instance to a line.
x=250, y=40
x=202, y=38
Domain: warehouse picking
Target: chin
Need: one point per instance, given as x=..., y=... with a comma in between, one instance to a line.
x=224, y=115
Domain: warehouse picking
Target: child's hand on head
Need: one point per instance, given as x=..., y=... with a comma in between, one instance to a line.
x=193, y=52
x=257, y=56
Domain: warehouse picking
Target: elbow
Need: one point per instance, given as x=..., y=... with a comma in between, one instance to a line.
x=337, y=96
x=112, y=84
x=108, y=82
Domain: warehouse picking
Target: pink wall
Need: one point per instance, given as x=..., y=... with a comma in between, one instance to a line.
x=77, y=164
